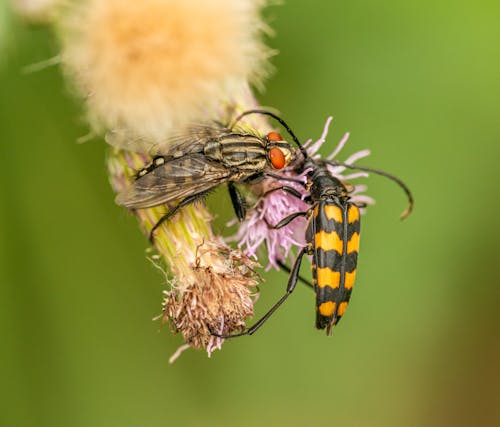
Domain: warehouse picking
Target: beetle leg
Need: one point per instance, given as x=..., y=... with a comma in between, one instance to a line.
x=285, y=267
x=292, y=282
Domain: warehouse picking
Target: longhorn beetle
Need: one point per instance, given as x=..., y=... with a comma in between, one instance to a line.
x=332, y=236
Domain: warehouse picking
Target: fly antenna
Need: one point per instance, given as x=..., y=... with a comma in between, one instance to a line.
x=279, y=120
x=407, y=191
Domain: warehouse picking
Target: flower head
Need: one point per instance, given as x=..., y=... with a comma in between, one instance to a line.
x=154, y=66
x=37, y=11
x=220, y=300
x=147, y=70
x=212, y=286
x=274, y=206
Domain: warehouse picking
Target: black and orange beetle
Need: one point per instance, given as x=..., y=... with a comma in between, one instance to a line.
x=332, y=236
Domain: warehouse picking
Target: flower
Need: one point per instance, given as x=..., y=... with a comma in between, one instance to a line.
x=147, y=70
x=269, y=210
x=37, y=11
x=274, y=206
x=220, y=301
x=212, y=287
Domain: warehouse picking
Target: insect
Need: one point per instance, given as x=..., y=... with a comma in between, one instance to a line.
x=332, y=237
x=202, y=158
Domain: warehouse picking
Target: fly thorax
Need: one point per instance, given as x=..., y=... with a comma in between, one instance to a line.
x=213, y=150
x=253, y=164
x=245, y=152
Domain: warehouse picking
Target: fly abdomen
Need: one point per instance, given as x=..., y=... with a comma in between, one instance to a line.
x=336, y=244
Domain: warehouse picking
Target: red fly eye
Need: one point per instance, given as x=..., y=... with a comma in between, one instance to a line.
x=277, y=158
x=274, y=136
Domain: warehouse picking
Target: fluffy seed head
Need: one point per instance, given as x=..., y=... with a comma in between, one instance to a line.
x=36, y=11
x=155, y=64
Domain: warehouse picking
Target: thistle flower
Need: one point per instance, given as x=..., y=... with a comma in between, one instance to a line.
x=36, y=11
x=222, y=298
x=212, y=286
x=276, y=205
x=150, y=69
x=155, y=66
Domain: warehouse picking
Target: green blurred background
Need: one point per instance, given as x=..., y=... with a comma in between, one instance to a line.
x=418, y=83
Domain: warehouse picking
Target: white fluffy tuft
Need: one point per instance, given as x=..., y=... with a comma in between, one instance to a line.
x=155, y=65
x=36, y=11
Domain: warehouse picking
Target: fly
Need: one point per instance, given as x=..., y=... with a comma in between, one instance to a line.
x=198, y=161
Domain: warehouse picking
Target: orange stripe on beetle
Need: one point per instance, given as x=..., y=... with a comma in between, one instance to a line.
x=349, y=279
x=327, y=308
x=353, y=214
x=327, y=277
x=341, y=309
x=328, y=241
x=353, y=243
x=333, y=212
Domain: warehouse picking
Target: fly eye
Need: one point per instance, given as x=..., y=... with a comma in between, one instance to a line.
x=278, y=159
x=274, y=136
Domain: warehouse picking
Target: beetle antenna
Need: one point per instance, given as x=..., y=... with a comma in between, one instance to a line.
x=278, y=119
x=407, y=191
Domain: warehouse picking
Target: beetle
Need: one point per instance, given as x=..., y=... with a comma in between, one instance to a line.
x=332, y=236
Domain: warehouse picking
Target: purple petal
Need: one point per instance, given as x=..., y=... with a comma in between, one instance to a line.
x=339, y=147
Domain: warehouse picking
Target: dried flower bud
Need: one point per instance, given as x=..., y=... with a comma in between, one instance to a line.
x=220, y=300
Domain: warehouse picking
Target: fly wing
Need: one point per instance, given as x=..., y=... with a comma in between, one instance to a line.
x=175, y=179
x=125, y=139
x=191, y=140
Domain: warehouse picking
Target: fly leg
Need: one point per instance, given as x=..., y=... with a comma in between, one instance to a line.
x=292, y=282
x=239, y=203
x=173, y=211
